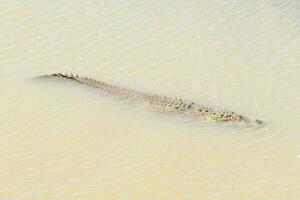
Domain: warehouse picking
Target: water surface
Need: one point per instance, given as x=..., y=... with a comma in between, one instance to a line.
x=60, y=140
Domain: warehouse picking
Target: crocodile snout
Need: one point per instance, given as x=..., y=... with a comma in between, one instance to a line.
x=259, y=122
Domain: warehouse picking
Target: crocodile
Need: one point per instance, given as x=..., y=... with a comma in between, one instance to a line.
x=164, y=103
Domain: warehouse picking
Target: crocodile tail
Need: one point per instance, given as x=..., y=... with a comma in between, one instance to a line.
x=61, y=75
x=65, y=75
x=83, y=80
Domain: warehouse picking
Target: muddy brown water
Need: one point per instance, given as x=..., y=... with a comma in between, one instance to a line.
x=60, y=140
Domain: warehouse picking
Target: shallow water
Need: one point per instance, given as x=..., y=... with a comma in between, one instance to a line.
x=60, y=140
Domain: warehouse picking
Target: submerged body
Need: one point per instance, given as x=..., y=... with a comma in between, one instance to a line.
x=164, y=103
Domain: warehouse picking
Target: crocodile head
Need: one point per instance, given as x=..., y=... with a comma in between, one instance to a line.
x=236, y=118
x=258, y=122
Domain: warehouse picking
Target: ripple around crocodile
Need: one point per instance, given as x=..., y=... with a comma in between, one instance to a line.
x=164, y=103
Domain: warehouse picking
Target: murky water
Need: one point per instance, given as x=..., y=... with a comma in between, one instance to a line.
x=60, y=140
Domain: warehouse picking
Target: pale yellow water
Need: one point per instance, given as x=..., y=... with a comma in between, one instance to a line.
x=60, y=140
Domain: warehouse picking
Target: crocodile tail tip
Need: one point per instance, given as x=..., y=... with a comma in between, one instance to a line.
x=65, y=75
